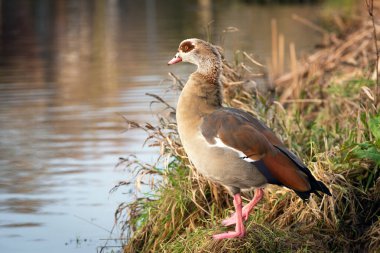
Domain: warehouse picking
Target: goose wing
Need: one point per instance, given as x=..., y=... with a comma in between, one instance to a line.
x=242, y=132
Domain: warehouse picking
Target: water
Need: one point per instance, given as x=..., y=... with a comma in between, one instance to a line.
x=68, y=71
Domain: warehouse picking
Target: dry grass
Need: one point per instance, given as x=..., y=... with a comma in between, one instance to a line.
x=326, y=109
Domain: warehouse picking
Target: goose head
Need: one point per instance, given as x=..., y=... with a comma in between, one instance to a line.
x=198, y=52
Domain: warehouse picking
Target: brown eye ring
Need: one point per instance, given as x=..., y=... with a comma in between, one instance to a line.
x=186, y=47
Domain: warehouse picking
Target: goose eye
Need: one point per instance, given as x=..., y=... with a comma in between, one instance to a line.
x=187, y=47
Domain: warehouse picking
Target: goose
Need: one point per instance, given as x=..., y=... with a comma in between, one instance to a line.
x=230, y=146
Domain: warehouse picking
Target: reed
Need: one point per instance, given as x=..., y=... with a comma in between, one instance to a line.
x=325, y=110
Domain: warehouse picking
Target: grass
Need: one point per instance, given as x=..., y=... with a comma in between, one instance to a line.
x=327, y=113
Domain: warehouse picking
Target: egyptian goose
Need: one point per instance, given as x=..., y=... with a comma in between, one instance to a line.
x=230, y=146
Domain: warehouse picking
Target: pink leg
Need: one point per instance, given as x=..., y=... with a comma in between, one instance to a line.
x=239, y=229
x=246, y=209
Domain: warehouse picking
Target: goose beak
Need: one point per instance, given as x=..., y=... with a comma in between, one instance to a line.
x=175, y=59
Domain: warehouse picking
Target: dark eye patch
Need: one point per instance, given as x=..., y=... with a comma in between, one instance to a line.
x=186, y=47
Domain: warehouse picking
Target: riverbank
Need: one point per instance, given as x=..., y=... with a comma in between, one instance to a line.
x=326, y=108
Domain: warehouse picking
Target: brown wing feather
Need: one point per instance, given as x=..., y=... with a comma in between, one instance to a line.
x=243, y=132
x=285, y=171
x=257, y=124
x=245, y=138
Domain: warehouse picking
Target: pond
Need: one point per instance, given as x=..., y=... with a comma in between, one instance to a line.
x=69, y=71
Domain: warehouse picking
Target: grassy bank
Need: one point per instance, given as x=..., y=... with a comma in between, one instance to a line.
x=327, y=110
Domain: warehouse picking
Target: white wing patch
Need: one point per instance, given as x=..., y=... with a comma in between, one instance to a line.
x=219, y=143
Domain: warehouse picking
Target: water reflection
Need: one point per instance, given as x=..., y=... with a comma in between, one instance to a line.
x=68, y=70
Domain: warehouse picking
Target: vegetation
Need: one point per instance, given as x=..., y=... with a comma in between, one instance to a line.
x=327, y=110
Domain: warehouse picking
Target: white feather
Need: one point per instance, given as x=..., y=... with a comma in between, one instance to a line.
x=219, y=143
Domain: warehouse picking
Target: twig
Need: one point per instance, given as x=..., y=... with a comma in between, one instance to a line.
x=370, y=9
x=310, y=24
x=274, y=47
x=252, y=60
x=180, y=83
x=160, y=100
x=306, y=100
x=92, y=223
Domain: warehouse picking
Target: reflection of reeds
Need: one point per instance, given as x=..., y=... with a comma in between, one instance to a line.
x=331, y=120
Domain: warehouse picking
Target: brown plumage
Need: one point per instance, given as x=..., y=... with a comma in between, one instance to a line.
x=230, y=146
x=243, y=132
